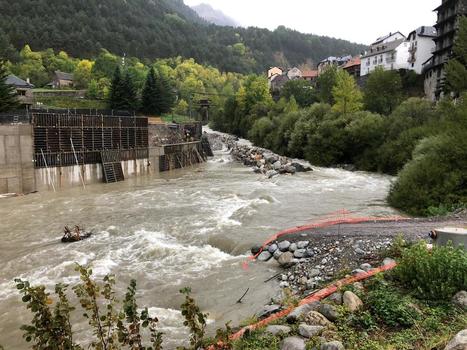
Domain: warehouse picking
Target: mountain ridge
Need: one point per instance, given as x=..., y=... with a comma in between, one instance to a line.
x=214, y=16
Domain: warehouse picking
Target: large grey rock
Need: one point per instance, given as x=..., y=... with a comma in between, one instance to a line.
x=301, y=311
x=358, y=271
x=271, y=174
x=460, y=299
x=264, y=256
x=352, y=301
x=284, y=246
x=336, y=298
x=290, y=169
x=302, y=244
x=310, y=252
x=329, y=312
x=299, y=253
x=308, y=331
x=366, y=267
x=459, y=342
x=388, y=261
x=277, y=254
x=255, y=249
x=314, y=272
x=314, y=318
x=274, y=330
x=286, y=260
x=293, y=343
x=293, y=247
x=268, y=310
x=301, y=167
x=277, y=165
x=272, y=248
x=332, y=345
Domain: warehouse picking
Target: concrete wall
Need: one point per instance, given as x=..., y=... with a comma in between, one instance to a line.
x=16, y=159
x=66, y=177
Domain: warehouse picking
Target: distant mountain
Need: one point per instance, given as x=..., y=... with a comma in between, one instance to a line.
x=150, y=29
x=214, y=16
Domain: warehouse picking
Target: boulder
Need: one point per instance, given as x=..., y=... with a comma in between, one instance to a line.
x=352, y=301
x=366, y=267
x=302, y=244
x=274, y=330
x=272, y=248
x=459, y=342
x=460, y=299
x=332, y=345
x=271, y=173
x=277, y=165
x=290, y=169
x=314, y=318
x=329, y=312
x=277, y=254
x=299, y=253
x=358, y=271
x=308, y=331
x=310, y=252
x=286, y=260
x=301, y=311
x=293, y=343
x=336, y=298
x=301, y=167
x=264, y=256
x=388, y=261
x=293, y=247
x=283, y=246
x=314, y=273
x=257, y=170
x=268, y=310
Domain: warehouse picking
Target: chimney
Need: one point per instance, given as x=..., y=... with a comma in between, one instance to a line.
x=27, y=81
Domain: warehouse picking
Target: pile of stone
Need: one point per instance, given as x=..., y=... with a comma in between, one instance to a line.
x=311, y=264
x=315, y=320
x=262, y=161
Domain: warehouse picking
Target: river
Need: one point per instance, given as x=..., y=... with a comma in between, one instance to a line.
x=190, y=227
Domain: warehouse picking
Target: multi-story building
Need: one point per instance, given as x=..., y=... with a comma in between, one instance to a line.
x=447, y=24
x=421, y=46
x=331, y=60
x=353, y=66
x=391, y=52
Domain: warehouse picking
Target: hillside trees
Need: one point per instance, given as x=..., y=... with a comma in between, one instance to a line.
x=7, y=93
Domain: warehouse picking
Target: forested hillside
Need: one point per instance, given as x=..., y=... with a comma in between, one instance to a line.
x=157, y=29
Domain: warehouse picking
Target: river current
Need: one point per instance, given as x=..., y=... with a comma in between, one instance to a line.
x=190, y=227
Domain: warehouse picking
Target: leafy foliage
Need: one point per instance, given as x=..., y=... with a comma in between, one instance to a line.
x=456, y=69
x=347, y=96
x=7, y=93
x=383, y=91
x=436, y=274
x=195, y=320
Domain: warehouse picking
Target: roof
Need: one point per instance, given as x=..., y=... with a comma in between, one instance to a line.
x=355, y=61
x=388, y=47
x=63, y=75
x=310, y=74
x=379, y=40
x=426, y=31
x=279, y=78
x=18, y=82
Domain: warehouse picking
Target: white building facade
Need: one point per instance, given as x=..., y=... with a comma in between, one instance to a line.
x=421, y=46
x=390, y=52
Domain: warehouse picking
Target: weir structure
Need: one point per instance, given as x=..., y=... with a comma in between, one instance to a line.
x=54, y=149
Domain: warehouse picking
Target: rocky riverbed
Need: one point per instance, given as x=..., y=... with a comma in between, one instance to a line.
x=261, y=160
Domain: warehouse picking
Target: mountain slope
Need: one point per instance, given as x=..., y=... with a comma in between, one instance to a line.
x=157, y=29
x=214, y=16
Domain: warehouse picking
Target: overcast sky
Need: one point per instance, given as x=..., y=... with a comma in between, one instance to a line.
x=358, y=21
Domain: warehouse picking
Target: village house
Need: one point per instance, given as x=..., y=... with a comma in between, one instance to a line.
x=353, y=67
x=421, y=46
x=331, y=60
x=23, y=89
x=447, y=25
x=310, y=75
x=294, y=73
x=274, y=71
x=391, y=52
x=62, y=80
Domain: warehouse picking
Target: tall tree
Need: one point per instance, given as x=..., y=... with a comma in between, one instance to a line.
x=116, y=90
x=325, y=83
x=383, y=91
x=129, y=95
x=456, y=69
x=150, y=103
x=346, y=94
x=167, y=96
x=8, y=99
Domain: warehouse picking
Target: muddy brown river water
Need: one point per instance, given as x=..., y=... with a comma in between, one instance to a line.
x=190, y=227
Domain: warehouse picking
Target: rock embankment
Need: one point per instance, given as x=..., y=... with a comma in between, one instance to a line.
x=262, y=161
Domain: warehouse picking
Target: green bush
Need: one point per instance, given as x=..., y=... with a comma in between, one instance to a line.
x=390, y=307
x=436, y=274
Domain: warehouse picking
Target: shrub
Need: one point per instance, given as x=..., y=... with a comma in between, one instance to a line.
x=390, y=307
x=436, y=274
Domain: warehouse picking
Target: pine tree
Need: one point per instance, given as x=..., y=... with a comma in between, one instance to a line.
x=8, y=99
x=167, y=97
x=151, y=94
x=115, y=95
x=129, y=96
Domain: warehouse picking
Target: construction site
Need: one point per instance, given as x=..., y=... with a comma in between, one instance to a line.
x=55, y=149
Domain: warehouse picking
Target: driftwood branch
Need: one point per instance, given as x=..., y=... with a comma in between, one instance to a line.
x=276, y=275
x=239, y=301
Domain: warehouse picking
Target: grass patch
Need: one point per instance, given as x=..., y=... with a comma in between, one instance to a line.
x=176, y=118
x=71, y=102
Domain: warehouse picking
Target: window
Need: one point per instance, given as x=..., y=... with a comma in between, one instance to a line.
x=21, y=92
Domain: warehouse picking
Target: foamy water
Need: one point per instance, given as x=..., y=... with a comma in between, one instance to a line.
x=189, y=227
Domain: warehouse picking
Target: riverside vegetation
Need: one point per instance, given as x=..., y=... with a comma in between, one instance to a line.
x=385, y=312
